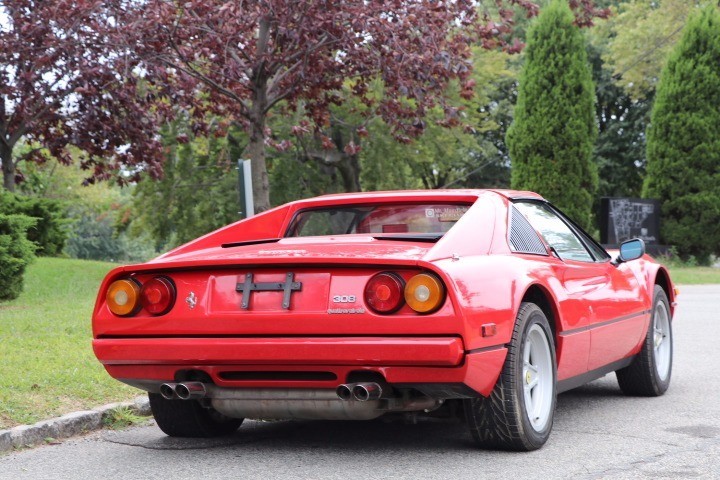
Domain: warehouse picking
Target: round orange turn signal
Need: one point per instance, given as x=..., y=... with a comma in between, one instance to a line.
x=424, y=293
x=123, y=297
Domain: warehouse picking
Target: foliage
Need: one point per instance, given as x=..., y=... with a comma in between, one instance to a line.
x=643, y=32
x=307, y=162
x=49, y=232
x=552, y=136
x=620, y=147
x=45, y=352
x=16, y=252
x=683, y=148
x=66, y=184
x=285, y=51
x=95, y=237
x=464, y=155
x=197, y=194
x=64, y=82
x=627, y=53
x=93, y=214
x=468, y=155
x=293, y=177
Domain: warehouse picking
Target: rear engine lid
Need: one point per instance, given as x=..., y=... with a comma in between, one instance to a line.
x=362, y=249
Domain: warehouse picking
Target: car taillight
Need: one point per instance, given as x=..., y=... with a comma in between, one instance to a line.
x=157, y=295
x=384, y=292
x=424, y=293
x=123, y=297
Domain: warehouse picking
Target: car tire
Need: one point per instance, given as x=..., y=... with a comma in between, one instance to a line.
x=518, y=414
x=649, y=373
x=187, y=418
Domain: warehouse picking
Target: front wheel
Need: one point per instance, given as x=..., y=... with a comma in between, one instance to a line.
x=187, y=418
x=518, y=414
x=649, y=374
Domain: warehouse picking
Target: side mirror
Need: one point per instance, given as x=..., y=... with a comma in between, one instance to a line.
x=630, y=250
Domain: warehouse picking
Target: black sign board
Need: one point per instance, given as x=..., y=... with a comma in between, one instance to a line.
x=625, y=218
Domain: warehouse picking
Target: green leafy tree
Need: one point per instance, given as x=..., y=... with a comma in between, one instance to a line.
x=622, y=120
x=552, y=136
x=642, y=34
x=197, y=194
x=357, y=150
x=683, y=148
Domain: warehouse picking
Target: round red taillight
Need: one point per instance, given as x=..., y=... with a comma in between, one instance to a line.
x=384, y=292
x=157, y=295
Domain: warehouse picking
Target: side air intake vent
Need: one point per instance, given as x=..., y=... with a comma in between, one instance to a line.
x=523, y=238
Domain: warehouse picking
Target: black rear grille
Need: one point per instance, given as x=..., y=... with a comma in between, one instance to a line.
x=278, y=376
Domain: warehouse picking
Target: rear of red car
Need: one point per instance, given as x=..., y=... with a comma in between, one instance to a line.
x=340, y=315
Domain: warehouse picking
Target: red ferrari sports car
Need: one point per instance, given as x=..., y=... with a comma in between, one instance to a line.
x=354, y=306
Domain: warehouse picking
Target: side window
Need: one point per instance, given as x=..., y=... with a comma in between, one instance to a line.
x=523, y=237
x=555, y=231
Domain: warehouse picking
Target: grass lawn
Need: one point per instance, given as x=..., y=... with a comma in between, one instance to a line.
x=694, y=275
x=46, y=359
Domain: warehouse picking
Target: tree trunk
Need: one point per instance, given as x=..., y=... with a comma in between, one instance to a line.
x=349, y=168
x=8, y=167
x=256, y=150
x=348, y=165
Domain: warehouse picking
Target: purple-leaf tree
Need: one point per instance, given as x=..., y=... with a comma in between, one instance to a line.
x=238, y=60
x=64, y=82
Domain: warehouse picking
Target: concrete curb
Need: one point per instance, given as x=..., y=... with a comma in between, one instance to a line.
x=66, y=426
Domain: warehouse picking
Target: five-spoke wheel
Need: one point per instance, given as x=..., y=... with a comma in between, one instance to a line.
x=538, y=378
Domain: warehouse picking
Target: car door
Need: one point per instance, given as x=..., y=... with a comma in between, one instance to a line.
x=600, y=300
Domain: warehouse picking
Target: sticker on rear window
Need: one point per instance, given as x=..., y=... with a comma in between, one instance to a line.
x=446, y=214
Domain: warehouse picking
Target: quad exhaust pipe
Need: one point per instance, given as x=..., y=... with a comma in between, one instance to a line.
x=350, y=401
x=361, y=392
x=183, y=391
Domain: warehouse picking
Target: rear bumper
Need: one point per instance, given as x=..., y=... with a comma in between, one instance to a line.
x=439, y=351
x=315, y=362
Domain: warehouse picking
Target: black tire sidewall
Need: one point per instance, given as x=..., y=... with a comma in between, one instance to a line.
x=660, y=385
x=186, y=418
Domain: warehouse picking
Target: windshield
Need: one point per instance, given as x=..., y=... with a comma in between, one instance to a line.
x=384, y=220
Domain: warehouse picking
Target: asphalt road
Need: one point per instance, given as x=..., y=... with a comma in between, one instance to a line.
x=599, y=433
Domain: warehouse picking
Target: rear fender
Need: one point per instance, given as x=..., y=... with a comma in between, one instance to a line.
x=651, y=273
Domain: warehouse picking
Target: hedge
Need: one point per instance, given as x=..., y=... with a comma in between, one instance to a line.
x=49, y=232
x=16, y=252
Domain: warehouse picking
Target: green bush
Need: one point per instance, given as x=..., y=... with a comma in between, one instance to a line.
x=16, y=252
x=552, y=136
x=49, y=232
x=683, y=147
x=95, y=238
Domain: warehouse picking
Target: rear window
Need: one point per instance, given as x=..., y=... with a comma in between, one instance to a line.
x=393, y=219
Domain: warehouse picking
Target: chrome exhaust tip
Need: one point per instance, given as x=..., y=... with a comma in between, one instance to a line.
x=344, y=391
x=362, y=392
x=190, y=390
x=167, y=390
